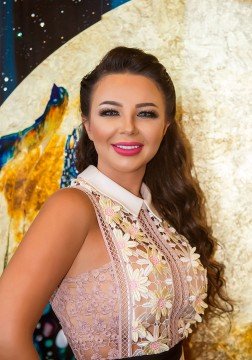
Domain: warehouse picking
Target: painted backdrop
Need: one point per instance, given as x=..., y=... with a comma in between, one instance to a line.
x=205, y=45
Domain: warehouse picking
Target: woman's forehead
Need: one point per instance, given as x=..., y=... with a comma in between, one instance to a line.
x=128, y=86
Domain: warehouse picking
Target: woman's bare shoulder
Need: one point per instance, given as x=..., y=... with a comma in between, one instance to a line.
x=44, y=256
x=70, y=200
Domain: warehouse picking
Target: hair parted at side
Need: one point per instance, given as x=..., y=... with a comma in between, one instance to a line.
x=175, y=193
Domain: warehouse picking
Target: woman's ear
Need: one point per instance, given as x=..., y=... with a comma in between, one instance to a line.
x=86, y=125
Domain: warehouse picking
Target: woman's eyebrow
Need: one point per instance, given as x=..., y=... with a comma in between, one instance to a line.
x=145, y=104
x=110, y=102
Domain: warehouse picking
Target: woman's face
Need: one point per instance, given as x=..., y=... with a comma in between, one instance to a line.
x=126, y=108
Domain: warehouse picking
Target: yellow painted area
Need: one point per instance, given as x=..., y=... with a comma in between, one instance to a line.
x=32, y=175
x=239, y=345
x=218, y=343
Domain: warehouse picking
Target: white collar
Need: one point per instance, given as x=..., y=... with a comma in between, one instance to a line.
x=116, y=192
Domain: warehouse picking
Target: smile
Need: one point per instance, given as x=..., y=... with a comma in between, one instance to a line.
x=127, y=147
x=127, y=150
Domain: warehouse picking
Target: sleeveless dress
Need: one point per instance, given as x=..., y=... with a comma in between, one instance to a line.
x=147, y=297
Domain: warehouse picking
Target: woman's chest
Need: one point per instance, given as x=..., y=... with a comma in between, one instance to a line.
x=153, y=283
x=159, y=274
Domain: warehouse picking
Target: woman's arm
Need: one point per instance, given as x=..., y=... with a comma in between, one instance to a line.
x=41, y=261
x=26, y=352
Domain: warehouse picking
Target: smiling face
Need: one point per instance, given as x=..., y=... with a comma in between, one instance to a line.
x=126, y=108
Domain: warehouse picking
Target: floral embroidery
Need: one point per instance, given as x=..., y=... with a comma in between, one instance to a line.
x=133, y=230
x=160, y=302
x=197, y=317
x=185, y=327
x=168, y=281
x=124, y=243
x=138, y=283
x=189, y=278
x=138, y=330
x=113, y=353
x=154, y=344
x=192, y=258
x=153, y=259
x=111, y=210
x=97, y=356
x=197, y=299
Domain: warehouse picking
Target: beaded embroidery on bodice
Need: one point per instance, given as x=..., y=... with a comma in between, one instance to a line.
x=142, y=302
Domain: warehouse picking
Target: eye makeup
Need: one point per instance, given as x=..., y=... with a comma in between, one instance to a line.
x=108, y=112
x=148, y=114
x=142, y=114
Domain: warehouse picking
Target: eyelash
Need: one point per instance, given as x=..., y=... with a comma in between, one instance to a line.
x=112, y=112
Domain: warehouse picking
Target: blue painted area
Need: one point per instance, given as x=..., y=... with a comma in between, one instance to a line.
x=116, y=3
x=46, y=309
x=70, y=172
x=9, y=143
x=7, y=49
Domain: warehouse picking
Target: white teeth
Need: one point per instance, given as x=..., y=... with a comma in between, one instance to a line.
x=127, y=147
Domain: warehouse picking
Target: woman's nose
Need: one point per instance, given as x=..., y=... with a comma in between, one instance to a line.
x=128, y=125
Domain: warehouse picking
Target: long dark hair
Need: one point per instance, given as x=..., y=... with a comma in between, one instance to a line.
x=176, y=194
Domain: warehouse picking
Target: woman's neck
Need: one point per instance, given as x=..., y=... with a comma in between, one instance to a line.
x=131, y=181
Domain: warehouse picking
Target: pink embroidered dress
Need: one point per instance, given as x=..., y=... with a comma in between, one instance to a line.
x=150, y=293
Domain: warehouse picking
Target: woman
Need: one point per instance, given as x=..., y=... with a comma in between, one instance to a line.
x=128, y=254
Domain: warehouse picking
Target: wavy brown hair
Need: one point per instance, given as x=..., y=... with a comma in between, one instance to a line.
x=176, y=194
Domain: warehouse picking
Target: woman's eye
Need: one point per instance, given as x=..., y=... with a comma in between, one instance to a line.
x=148, y=114
x=108, y=112
x=142, y=114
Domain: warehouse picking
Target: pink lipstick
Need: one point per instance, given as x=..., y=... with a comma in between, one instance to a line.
x=128, y=148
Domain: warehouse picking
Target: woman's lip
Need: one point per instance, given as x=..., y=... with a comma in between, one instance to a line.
x=127, y=152
x=129, y=143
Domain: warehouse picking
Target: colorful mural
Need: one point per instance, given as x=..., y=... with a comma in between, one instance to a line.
x=35, y=162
